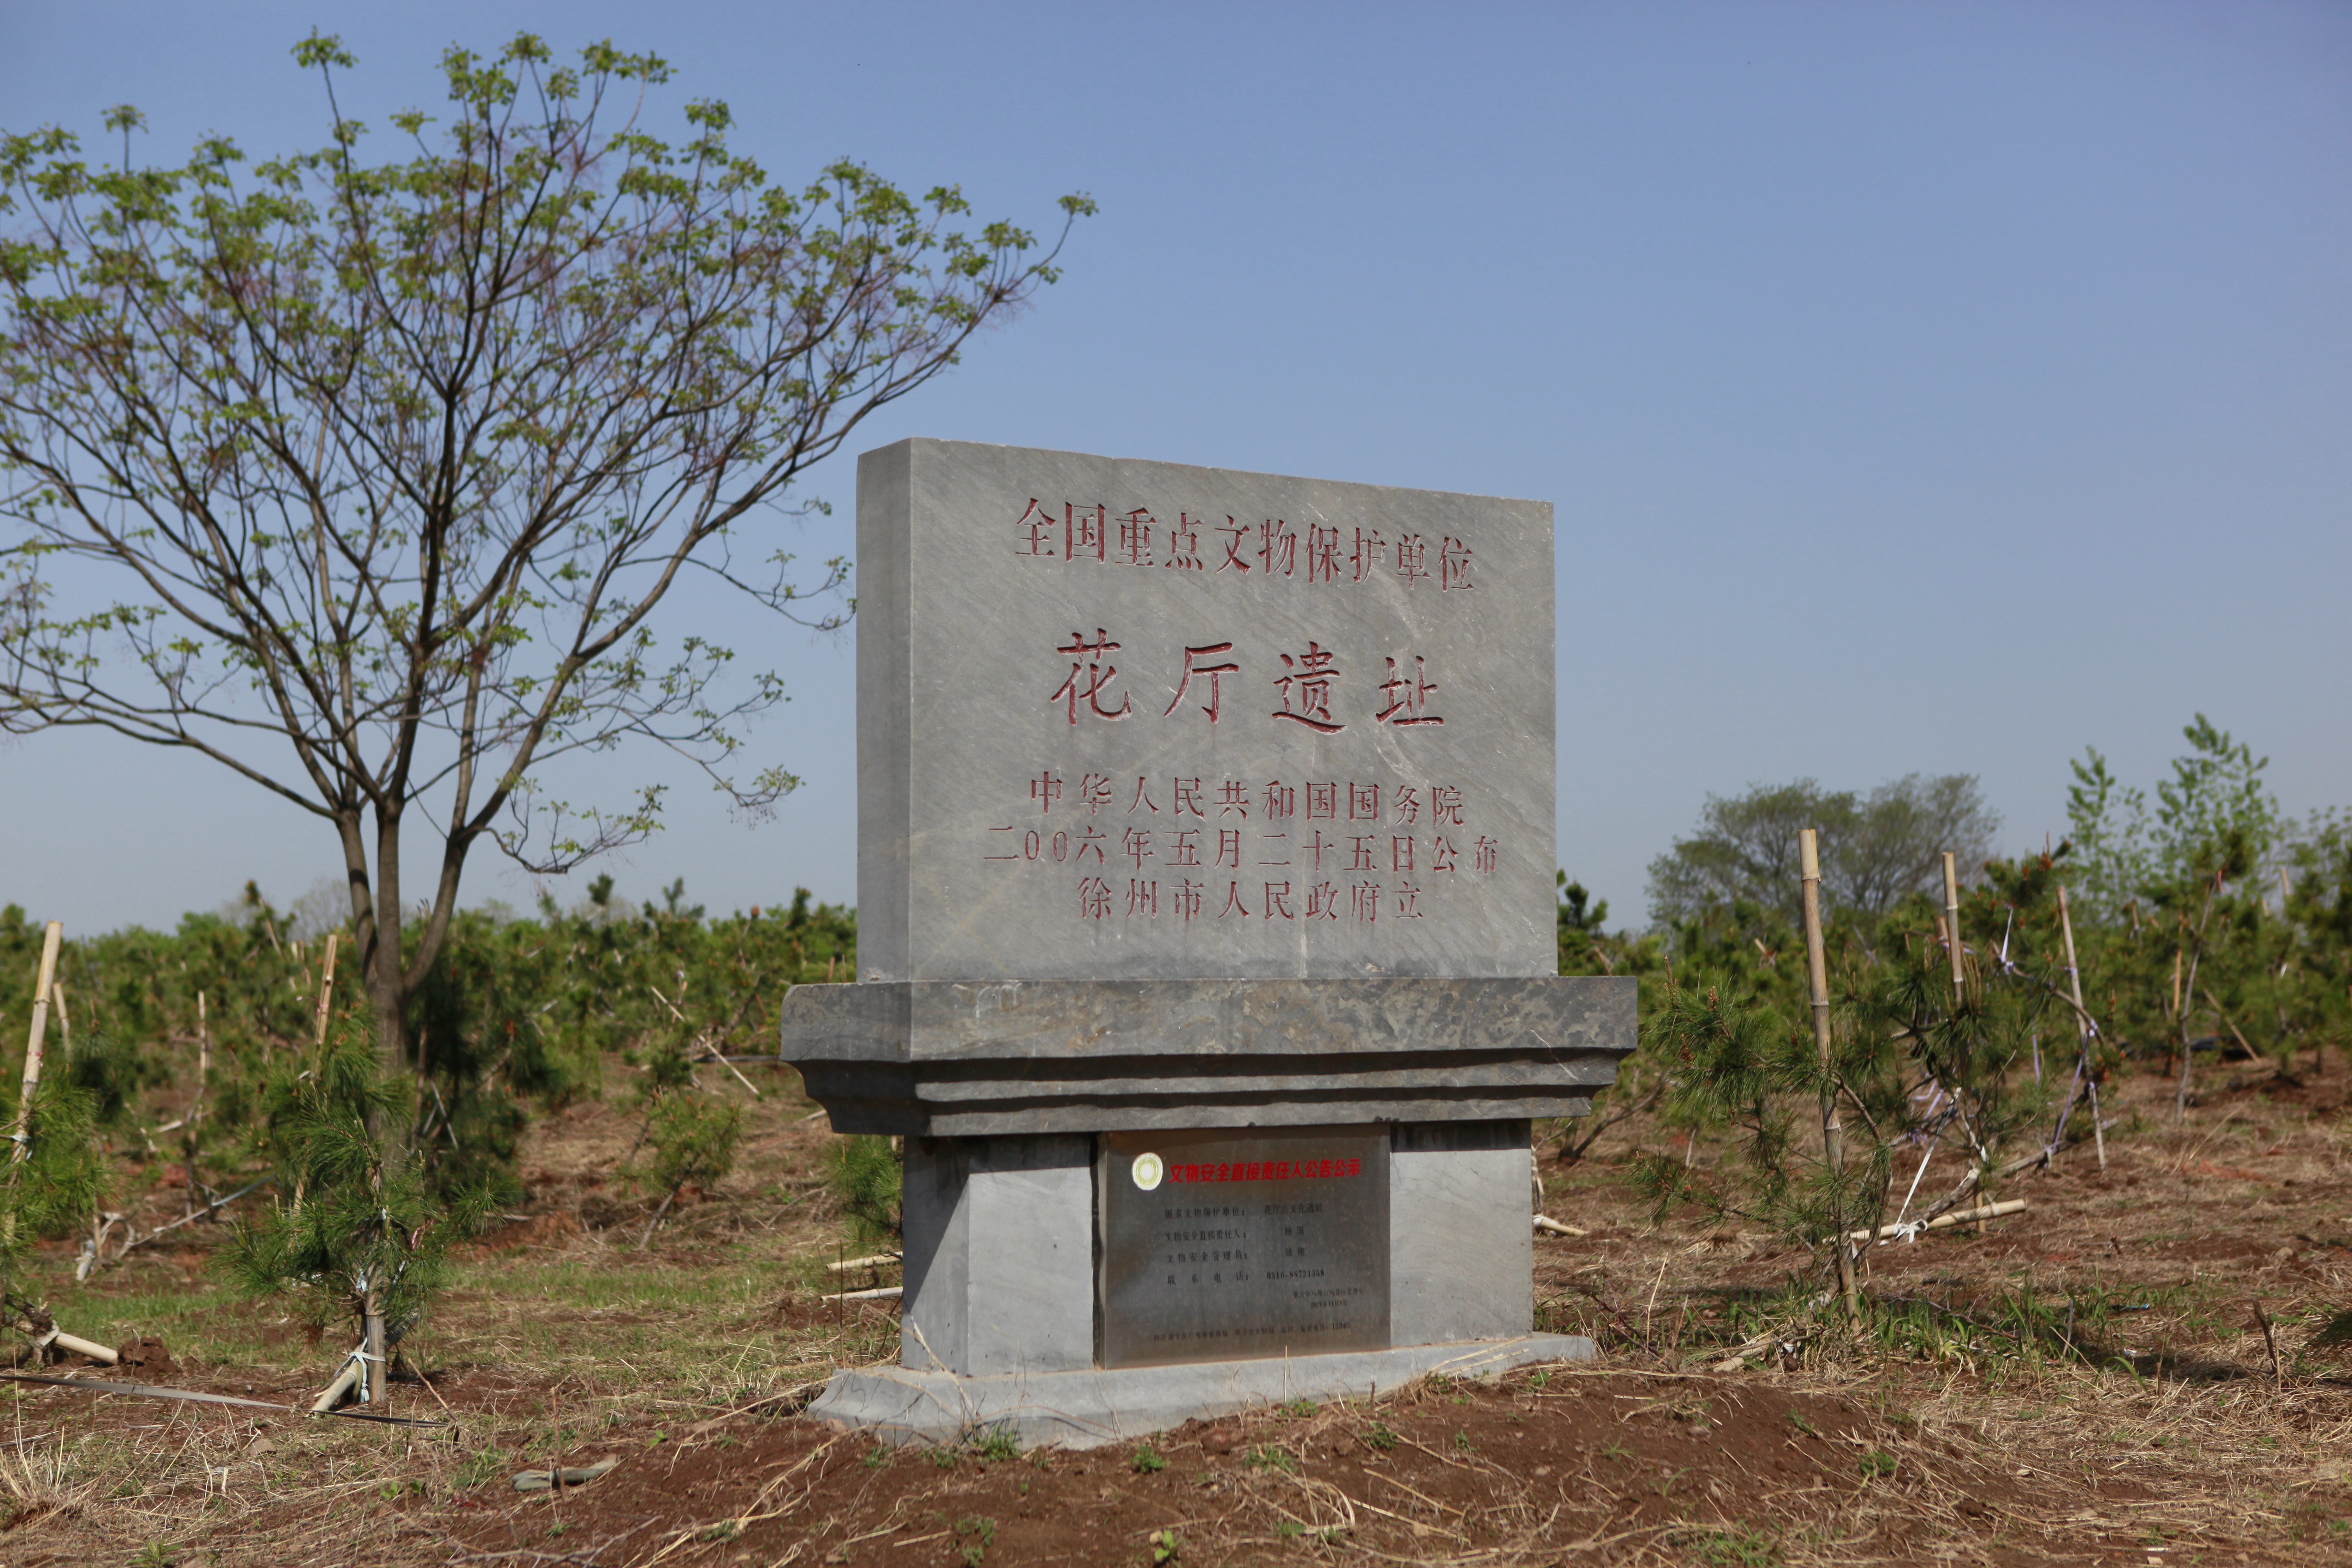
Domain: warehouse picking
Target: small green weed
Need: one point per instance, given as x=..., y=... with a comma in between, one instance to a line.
x=1801, y=1424
x=1289, y=1529
x=1271, y=1456
x=945, y=1458
x=725, y=1530
x=1380, y=1437
x=1461, y=1443
x=998, y=1443
x=1146, y=1459
x=983, y=1532
x=480, y=1466
x=877, y=1457
x=1296, y=1407
x=1165, y=1548
x=1877, y=1463
x=1737, y=1549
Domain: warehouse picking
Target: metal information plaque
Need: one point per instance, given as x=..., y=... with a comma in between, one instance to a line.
x=1221, y=1246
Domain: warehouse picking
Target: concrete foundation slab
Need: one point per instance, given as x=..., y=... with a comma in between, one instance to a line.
x=1089, y=1408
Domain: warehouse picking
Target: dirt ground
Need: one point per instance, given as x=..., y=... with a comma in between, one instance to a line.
x=2089, y=1381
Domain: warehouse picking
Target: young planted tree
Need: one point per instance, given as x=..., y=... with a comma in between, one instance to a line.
x=51, y=1175
x=357, y=1230
x=367, y=479
x=2218, y=923
x=690, y=1140
x=51, y=1188
x=867, y=1174
x=688, y=1136
x=1925, y=1078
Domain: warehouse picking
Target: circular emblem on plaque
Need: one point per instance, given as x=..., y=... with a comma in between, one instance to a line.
x=1148, y=1171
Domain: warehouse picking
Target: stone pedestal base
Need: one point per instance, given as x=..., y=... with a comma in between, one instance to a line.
x=1001, y=1267
x=1086, y=1409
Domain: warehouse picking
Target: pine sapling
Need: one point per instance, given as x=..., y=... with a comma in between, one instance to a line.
x=688, y=1136
x=357, y=1231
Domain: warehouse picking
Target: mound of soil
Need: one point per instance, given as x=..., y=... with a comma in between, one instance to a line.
x=1723, y=1469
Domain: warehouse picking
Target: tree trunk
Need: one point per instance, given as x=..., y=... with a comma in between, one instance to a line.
x=1832, y=1129
x=375, y=935
x=389, y=990
x=2089, y=1069
x=2186, y=1003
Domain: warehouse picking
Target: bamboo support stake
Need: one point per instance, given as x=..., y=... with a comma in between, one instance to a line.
x=22, y=1136
x=2224, y=1020
x=877, y=1261
x=43, y=1328
x=1952, y=924
x=379, y=1384
x=2082, y=1025
x=75, y=1345
x=1962, y=1217
x=196, y=1107
x=326, y=990
x=203, y=1059
x=64, y=1018
x=1817, y=976
x=334, y=1391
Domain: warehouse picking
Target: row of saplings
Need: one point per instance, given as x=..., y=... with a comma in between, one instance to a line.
x=361, y=1191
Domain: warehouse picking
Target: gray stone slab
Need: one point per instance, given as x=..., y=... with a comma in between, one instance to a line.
x=999, y=1241
x=1077, y=1021
x=1130, y=719
x=1086, y=1409
x=966, y=1059
x=1408, y=1073
x=1461, y=1249
x=1082, y=1116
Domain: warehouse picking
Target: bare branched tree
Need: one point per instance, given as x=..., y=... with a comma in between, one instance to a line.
x=365, y=480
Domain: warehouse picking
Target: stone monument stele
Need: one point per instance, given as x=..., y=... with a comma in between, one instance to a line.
x=1206, y=938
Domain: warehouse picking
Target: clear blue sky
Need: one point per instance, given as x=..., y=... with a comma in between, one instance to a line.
x=1920, y=387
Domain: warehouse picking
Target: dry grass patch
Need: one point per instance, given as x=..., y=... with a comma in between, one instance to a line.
x=1979, y=1423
